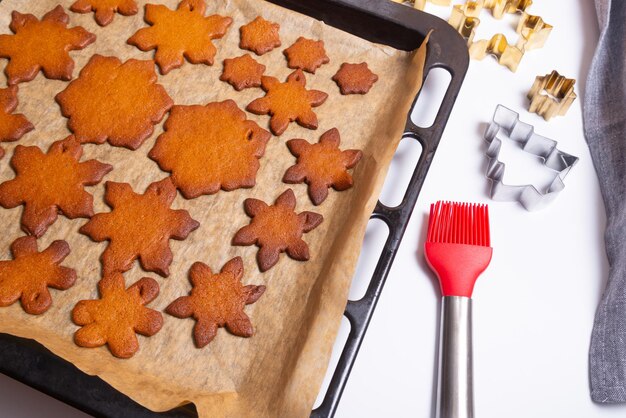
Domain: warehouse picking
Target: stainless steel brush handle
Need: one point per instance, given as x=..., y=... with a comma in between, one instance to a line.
x=455, y=392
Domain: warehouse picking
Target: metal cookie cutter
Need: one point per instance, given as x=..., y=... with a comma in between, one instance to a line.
x=498, y=46
x=524, y=134
x=500, y=7
x=533, y=32
x=420, y=4
x=464, y=18
x=551, y=95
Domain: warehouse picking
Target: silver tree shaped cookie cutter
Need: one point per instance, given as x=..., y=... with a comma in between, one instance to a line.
x=507, y=121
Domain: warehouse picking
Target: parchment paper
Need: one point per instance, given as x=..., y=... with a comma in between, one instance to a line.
x=279, y=370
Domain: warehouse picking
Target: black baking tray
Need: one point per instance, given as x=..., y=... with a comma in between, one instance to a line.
x=378, y=21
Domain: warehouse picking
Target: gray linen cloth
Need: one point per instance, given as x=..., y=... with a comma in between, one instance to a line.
x=604, y=115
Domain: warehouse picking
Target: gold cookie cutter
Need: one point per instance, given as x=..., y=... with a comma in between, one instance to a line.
x=501, y=7
x=464, y=18
x=533, y=31
x=420, y=4
x=551, y=95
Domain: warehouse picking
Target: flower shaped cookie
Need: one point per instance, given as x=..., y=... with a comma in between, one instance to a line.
x=12, y=126
x=139, y=226
x=210, y=147
x=179, y=34
x=105, y=9
x=306, y=54
x=321, y=165
x=259, y=36
x=217, y=300
x=277, y=228
x=47, y=184
x=30, y=273
x=287, y=102
x=114, y=101
x=118, y=315
x=42, y=45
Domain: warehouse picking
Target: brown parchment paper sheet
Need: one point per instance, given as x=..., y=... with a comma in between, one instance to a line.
x=279, y=370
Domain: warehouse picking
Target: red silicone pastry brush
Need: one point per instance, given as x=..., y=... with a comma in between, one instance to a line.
x=458, y=250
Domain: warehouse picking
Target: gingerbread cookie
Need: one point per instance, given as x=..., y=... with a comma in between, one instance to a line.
x=12, y=126
x=321, y=165
x=306, y=54
x=287, y=102
x=217, y=300
x=355, y=78
x=242, y=72
x=179, y=34
x=276, y=229
x=259, y=36
x=114, y=101
x=210, y=147
x=139, y=226
x=29, y=275
x=47, y=184
x=118, y=314
x=104, y=10
x=42, y=45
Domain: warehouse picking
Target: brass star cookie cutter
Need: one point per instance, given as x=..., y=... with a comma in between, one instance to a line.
x=533, y=31
x=551, y=95
x=507, y=121
x=421, y=4
x=501, y=7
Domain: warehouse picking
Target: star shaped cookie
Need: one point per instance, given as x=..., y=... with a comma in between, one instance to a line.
x=51, y=183
x=179, y=34
x=139, y=226
x=259, y=36
x=12, y=126
x=210, y=147
x=322, y=165
x=41, y=45
x=118, y=315
x=114, y=101
x=287, y=102
x=29, y=275
x=306, y=54
x=355, y=78
x=217, y=300
x=276, y=229
x=242, y=72
x=104, y=10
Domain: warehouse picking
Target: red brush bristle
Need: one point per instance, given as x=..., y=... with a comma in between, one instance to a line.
x=458, y=246
x=459, y=223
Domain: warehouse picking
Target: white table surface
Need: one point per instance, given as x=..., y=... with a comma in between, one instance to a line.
x=533, y=307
